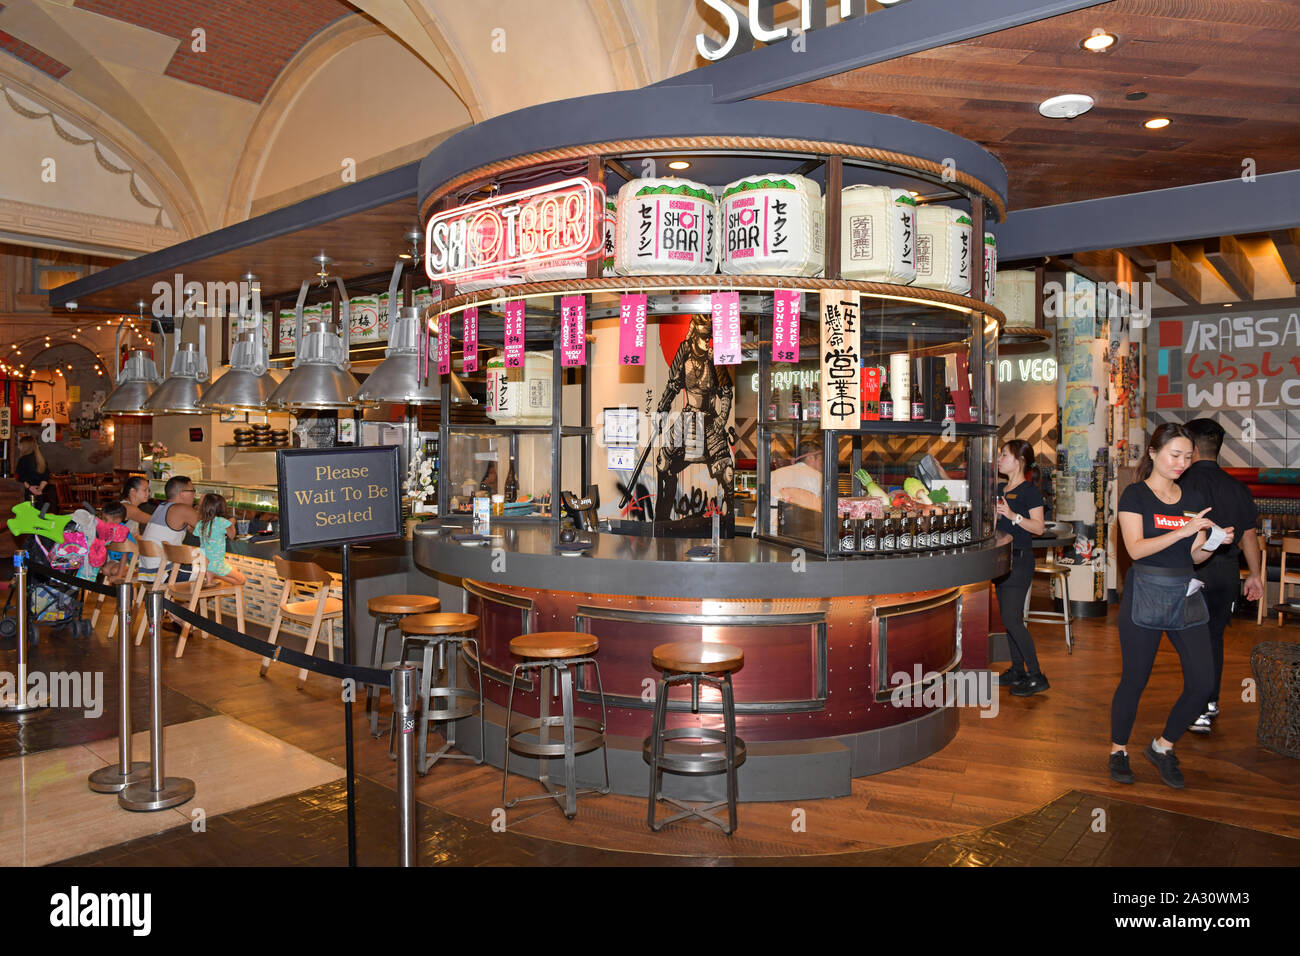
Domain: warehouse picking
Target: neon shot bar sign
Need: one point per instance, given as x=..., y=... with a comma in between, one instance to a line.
x=556, y=221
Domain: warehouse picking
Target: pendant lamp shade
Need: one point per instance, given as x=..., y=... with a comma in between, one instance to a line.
x=247, y=384
x=396, y=379
x=135, y=384
x=320, y=379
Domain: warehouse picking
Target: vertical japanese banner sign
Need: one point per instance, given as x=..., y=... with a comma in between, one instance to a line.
x=444, y=344
x=631, y=329
x=840, y=338
x=785, y=326
x=573, y=330
x=726, y=328
x=515, y=333
x=470, y=362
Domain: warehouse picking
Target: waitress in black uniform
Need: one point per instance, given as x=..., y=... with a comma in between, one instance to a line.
x=1020, y=515
x=1165, y=531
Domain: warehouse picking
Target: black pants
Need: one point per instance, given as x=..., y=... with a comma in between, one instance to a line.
x=1138, y=647
x=1011, y=591
x=1222, y=579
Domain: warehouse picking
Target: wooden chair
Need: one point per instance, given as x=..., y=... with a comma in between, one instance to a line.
x=126, y=575
x=299, y=603
x=193, y=591
x=1290, y=545
x=149, y=581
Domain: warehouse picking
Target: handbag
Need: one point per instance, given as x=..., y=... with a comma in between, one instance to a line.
x=1161, y=602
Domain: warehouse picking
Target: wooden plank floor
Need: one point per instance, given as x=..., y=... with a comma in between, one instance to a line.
x=1030, y=754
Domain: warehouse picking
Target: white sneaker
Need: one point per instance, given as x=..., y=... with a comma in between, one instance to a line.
x=1202, y=725
x=1212, y=709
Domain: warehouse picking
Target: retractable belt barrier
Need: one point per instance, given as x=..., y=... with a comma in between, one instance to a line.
x=276, y=652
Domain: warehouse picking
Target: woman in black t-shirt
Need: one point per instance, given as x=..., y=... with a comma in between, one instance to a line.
x=32, y=471
x=1158, y=519
x=1020, y=515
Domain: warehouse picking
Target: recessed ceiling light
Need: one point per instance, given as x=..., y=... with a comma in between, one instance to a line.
x=913, y=193
x=1099, y=41
x=1160, y=122
x=403, y=255
x=1135, y=95
x=1066, y=106
x=1227, y=305
x=679, y=164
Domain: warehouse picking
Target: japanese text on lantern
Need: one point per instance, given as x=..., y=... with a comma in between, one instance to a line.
x=785, y=326
x=839, y=331
x=514, y=328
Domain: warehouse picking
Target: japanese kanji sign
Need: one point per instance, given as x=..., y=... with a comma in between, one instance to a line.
x=840, y=330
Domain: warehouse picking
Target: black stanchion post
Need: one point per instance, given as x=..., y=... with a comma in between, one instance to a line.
x=161, y=791
x=403, y=688
x=347, y=706
x=22, y=701
x=116, y=777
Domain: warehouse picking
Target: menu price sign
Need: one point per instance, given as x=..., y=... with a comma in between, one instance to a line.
x=841, y=374
x=631, y=329
x=785, y=325
x=444, y=344
x=514, y=326
x=470, y=362
x=573, y=330
x=726, y=328
x=338, y=495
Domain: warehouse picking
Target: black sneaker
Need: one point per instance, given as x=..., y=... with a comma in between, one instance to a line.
x=1167, y=764
x=1034, y=684
x=1120, y=771
x=1011, y=677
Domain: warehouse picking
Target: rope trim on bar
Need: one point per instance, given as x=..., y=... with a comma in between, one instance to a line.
x=679, y=284
x=769, y=143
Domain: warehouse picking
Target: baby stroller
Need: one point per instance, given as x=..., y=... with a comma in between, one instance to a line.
x=54, y=604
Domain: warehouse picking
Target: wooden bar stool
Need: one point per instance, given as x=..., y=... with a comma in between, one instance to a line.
x=126, y=574
x=555, y=655
x=388, y=610
x=695, y=663
x=315, y=609
x=434, y=633
x=150, y=580
x=193, y=593
x=1061, y=574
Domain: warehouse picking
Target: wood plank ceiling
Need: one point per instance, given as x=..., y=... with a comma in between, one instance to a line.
x=1226, y=73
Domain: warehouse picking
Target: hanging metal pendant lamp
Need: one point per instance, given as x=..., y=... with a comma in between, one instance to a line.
x=320, y=378
x=247, y=384
x=396, y=379
x=134, y=382
x=179, y=394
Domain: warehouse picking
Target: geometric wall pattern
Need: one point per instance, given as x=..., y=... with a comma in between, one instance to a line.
x=1276, y=436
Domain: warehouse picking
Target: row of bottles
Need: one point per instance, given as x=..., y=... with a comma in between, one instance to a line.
x=797, y=410
x=900, y=532
x=916, y=401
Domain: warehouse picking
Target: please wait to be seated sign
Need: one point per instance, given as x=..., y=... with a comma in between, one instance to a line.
x=337, y=495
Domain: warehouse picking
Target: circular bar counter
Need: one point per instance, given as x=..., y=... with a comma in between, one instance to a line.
x=846, y=660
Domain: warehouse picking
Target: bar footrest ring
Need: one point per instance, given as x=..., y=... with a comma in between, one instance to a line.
x=582, y=743
x=698, y=758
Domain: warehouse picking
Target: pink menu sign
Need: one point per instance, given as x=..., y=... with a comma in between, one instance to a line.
x=573, y=330
x=631, y=329
x=726, y=328
x=785, y=326
x=514, y=325
x=470, y=363
x=444, y=344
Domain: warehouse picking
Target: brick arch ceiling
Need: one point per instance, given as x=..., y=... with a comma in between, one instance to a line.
x=258, y=36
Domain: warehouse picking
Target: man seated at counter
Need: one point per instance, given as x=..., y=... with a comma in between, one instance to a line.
x=172, y=520
x=799, y=483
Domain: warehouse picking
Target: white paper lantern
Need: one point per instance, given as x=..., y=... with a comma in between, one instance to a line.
x=520, y=396
x=772, y=225
x=288, y=325
x=878, y=235
x=943, y=249
x=1015, y=291
x=666, y=227
x=364, y=318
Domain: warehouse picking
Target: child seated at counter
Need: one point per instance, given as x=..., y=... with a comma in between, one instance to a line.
x=213, y=529
x=115, y=514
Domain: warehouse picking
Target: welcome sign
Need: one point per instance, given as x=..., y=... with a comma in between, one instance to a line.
x=338, y=495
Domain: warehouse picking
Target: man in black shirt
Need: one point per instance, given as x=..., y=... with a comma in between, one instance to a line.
x=1233, y=506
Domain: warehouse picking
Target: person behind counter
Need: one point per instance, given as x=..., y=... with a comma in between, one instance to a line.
x=800, y=482
x=32, y=471
x=135, y=493
x=213, y=529
x=1020, y=515
x=1156, y=518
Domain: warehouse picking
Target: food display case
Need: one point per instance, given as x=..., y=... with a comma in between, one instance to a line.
x=245, y=500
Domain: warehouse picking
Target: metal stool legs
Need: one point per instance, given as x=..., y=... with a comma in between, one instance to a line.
x=1062, y=616
x=655, y=752
x=447, y=694
x=550, y=671
x=383, y=624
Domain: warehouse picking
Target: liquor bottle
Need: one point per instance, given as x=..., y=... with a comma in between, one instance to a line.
x=886, y=400
x=796, y=404
x=771, y=409
x=906, y=530
x=869, y=538
x=949, y=533
x=813, y=413
x=848, y=534
x=918, y=405
x=949, y=408
x=963, y=528
x=512, y=483
x=921, y=536
x=889, y=533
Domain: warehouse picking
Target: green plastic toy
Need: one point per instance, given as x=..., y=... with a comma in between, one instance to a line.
x=27, y=520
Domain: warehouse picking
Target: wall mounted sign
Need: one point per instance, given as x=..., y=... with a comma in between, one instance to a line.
x=470, y=361
x=1225, y=361
x=338, y=495
x=839, y=327
x=726, y=328
x=573, y=330
x=785, y=326
x=558, y=221
x=444, y=344
x=514, y=328
x=631, y=329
